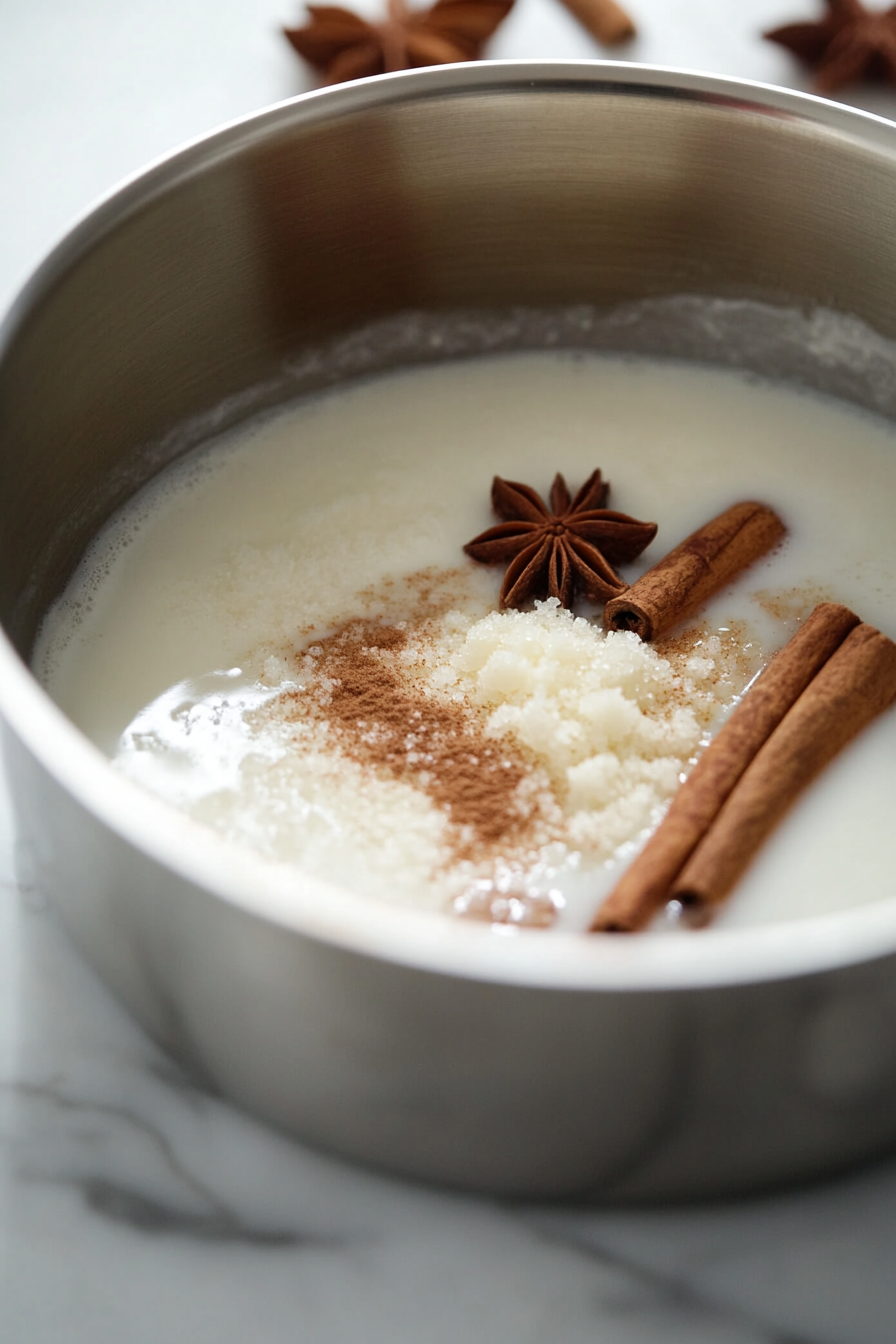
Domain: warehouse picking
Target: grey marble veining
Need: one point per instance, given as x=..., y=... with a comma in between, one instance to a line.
x=137, y=1208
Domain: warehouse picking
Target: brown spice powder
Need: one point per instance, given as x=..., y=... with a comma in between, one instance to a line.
x=792, y=605
x=381, y=716
x=738, y=657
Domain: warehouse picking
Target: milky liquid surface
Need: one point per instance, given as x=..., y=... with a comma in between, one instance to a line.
x=257, y=542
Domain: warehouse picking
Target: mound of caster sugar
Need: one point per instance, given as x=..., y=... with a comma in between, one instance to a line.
x=608, y=720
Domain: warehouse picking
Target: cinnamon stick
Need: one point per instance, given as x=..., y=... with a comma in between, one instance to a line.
x=605, y=20
x=856, y=684
x=645, y=886
x=704, y=562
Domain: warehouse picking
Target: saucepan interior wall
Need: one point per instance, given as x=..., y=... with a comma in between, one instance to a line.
x=209, y=277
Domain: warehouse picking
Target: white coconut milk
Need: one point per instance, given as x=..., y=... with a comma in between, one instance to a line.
x=180, y=630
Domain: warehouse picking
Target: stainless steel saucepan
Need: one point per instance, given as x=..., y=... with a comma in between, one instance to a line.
x=245, y=265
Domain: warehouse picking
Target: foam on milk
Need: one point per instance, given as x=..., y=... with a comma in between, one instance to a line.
x=251, y=545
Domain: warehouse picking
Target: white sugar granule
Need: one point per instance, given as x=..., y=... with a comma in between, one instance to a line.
x=608, y=719
x=224, y=752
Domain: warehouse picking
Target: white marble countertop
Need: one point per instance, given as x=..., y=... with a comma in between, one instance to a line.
x=134, y=1209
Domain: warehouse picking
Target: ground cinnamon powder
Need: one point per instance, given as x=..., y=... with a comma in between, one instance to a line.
x=379, y=714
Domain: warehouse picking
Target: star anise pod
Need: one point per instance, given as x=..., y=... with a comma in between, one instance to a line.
x=342, y=45
x=570, y=547
x=849, y=43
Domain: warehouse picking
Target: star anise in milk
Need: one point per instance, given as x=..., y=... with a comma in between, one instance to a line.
x=849, y=43
x=571, y=547
x=342, y=45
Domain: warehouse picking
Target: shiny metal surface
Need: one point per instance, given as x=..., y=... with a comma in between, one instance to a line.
x=535, y=1066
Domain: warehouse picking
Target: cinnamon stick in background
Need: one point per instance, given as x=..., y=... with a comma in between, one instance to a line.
x=645, y=886
x=704, y=562
x=856, y=684
x=605, y=20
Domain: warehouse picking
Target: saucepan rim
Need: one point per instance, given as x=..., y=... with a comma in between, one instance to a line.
x=323, y=911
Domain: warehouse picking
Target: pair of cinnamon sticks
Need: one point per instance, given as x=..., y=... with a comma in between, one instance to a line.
x=827, y=684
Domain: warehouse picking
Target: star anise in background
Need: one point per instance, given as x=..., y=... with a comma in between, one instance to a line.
x=849, y=43
x=342, y=45
x=571, y=547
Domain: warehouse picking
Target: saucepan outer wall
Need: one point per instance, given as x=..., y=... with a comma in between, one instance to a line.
x=536, y=1066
